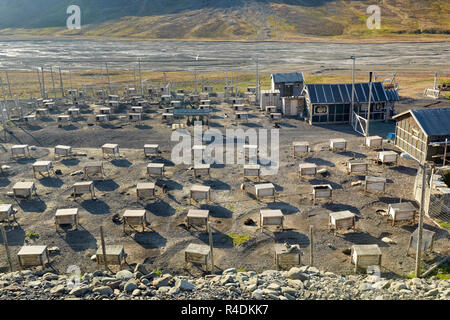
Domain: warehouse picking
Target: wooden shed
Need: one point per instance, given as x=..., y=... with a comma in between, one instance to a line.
x=201, y=169
x=145, y=189
x=404, y=211
x=342, y=220
x=66, y=216
x=252, y=170
x=373, y=142
x=422, y=133
x=115, y=255
x=6, y=211
x=376, y=184
x=63, y=151
x=42, y=166
x=80, y=188
x=24, y=190
x=197, y=254
x=269, y=217
x=94, y=167
x=33, y=256
x=151, y=149
x=331, y=103
x=300, y=147
x=155, y=169
x=307, y=169
x=110, y=148
x=199, y=193
x=22, y=150
x=285, y=257
x=265, y=190
x=289, y=84
x=197, y=217
x=135, y=218
x=357, y=166
x=365, y=255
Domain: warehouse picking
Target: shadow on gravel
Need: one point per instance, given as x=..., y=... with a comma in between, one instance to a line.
x=405, y=170
x=150, y=240
x=217, y=211
x=220, y=240
x=217, y=185
x=121, y=163
x=106, y=185
x=340, y=207
x=363, y=238
x=334, y=185
x=51, y=182
x=15, y=235
x=70, y=162
x=285, y=207
x=95, y=206
x=79, y=240
x=33, y=205
x=320, y=162
x=292, y=237
x=160, y=208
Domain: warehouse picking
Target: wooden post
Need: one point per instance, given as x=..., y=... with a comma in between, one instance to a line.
x=109, y=79
x=421, y=213
x=368, y=105
x=103, y=247
x=311, y=245
x=44, y=96
x=39, y=80
x=5, y=242
x=61, y=83
x=445, y=151
x=140, y=78
x=53, y=82
x=9, y=84
x=211, y=247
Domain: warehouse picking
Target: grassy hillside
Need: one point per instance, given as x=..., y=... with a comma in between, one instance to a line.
x=228, y=20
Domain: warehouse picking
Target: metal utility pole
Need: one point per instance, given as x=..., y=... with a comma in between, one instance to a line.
x=102, y=239
x=9, y=84
x=421, y=213
x=311, y=245
x=53, y=82
x=5, y=242
x=445, y=152
x=61, y=83
x=257, y=80
x=140, y=78
x=134, y=77
x=211, y=247
x=70, y=79
x=39, y=80
x=353, y=87
x=109, y=79
x=435, y=80
x=44, y=95
x=368, y=106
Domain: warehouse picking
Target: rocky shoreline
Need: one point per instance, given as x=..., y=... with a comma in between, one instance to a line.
x=304, y=283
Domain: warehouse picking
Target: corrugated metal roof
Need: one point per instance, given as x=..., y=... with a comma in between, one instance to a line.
x=342, y=93
x=192, y=112
x=434, y=122
x=392, y=94
x=288, y=77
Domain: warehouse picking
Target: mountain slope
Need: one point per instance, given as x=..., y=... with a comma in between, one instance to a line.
x=225, y=19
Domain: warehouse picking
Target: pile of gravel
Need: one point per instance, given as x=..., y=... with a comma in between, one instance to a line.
x=304, y=283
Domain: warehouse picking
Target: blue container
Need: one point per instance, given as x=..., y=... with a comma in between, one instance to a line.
x=391, y=136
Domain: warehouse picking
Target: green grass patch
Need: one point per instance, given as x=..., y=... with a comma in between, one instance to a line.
x=443, y=224
x=241, y=270
x=230, y=207
x=32, y=235
x=238, y=239
x=442, y=273
x=158, y=272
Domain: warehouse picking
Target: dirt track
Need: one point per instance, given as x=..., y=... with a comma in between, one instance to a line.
x=162, y=246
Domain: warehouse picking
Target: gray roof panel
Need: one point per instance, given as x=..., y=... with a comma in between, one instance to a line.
x=342, y=93
x=435, y=122
x=288, y=77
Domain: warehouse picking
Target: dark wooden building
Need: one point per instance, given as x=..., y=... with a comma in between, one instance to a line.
x=422, y=133
x=289, y=84
x=331, y=103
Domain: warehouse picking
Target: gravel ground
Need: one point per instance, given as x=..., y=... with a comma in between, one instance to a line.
x=161, y=246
